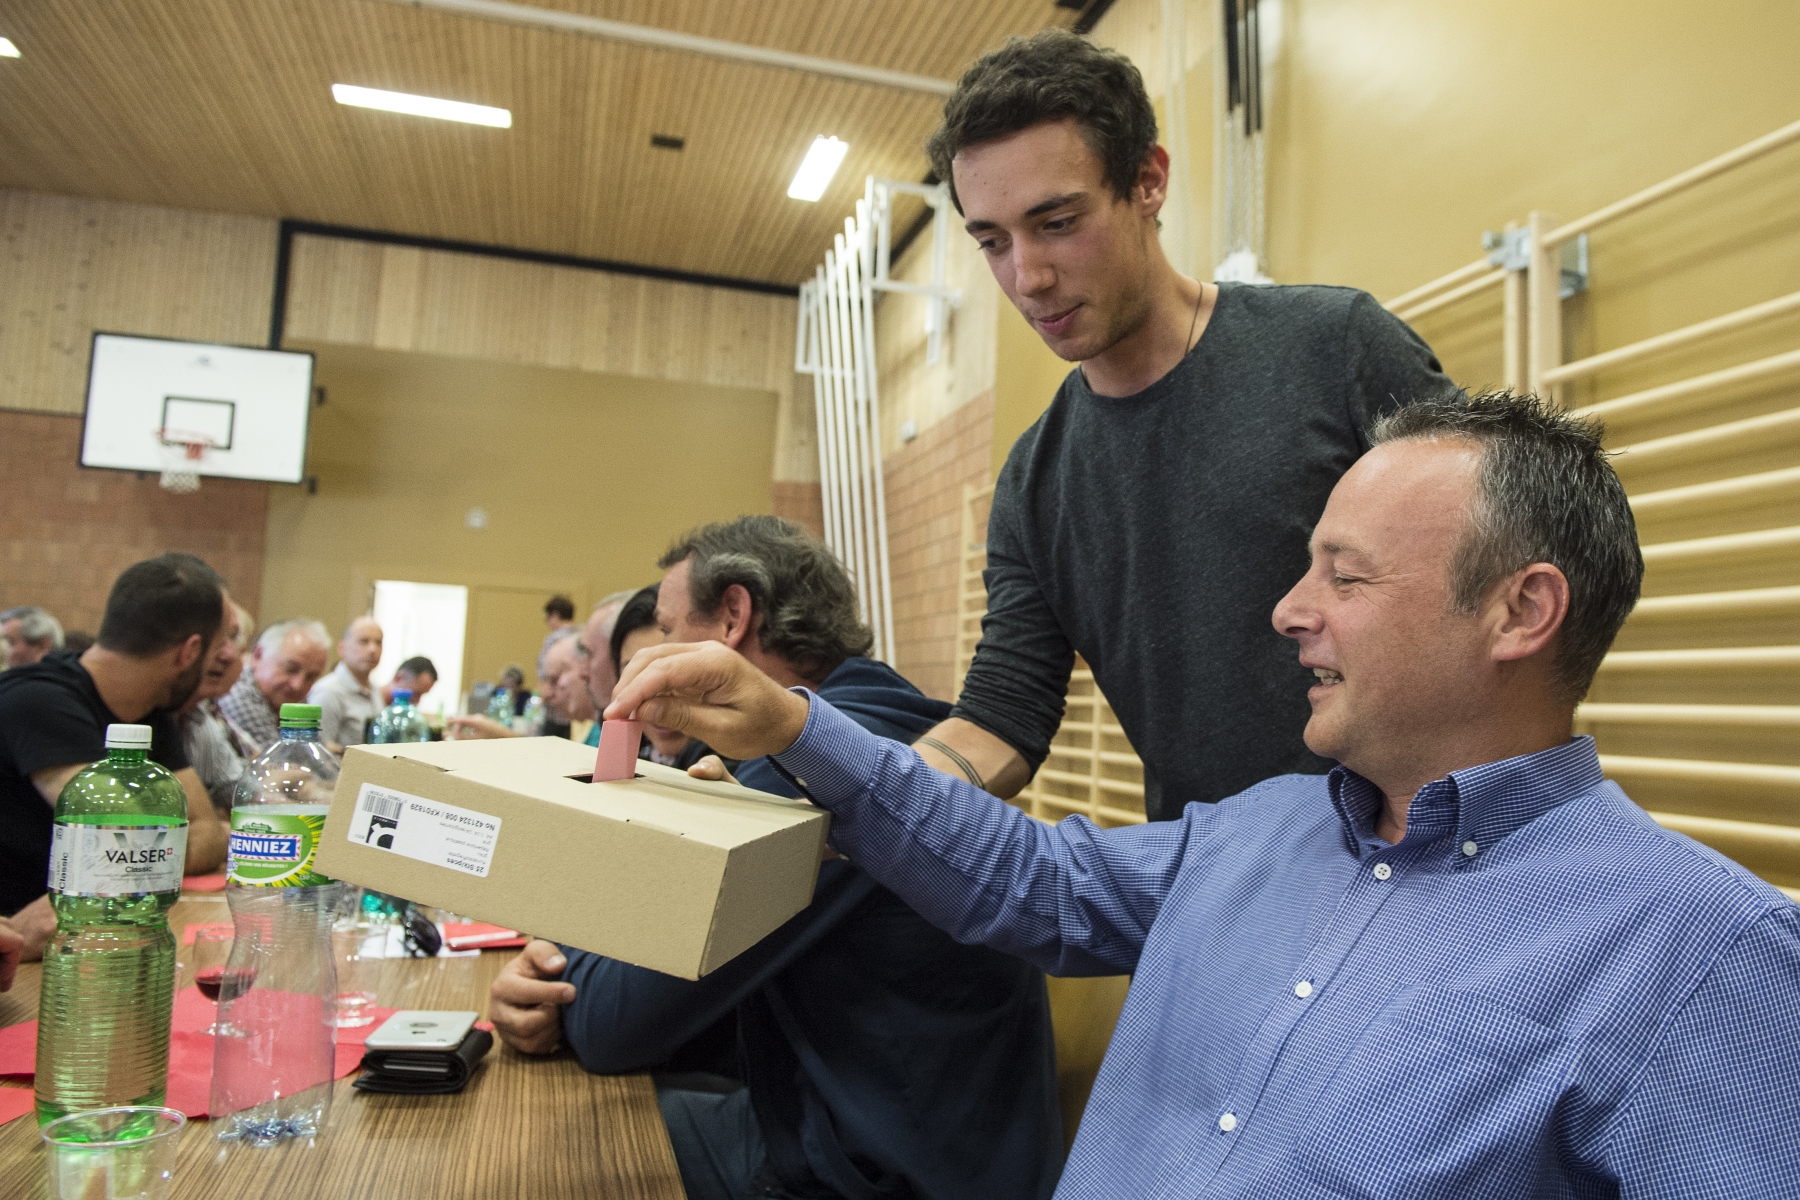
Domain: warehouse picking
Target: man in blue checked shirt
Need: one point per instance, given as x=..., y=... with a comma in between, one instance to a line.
x=1460, y=965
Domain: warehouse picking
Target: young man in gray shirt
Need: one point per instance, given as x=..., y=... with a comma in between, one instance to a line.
x=1157, y=510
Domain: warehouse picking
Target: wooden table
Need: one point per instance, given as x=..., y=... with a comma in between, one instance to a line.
x=535, y=1129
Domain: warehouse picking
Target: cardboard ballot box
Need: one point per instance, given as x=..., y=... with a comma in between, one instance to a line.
x=664, y=871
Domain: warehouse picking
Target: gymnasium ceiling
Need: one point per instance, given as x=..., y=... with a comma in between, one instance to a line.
x=225, y=106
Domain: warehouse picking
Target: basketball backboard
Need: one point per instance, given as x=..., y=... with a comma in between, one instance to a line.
x=251, y=406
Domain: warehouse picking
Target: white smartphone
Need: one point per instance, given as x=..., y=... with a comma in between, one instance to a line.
x=417, y=1029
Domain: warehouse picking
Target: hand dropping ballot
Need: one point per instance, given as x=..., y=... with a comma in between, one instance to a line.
x=604, y=851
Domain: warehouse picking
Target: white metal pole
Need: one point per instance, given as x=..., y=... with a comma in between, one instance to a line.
x=860, y=540
x=864, y=233
x=829, y=441
x=884, y=632
x=807, y=358
x=851, y=550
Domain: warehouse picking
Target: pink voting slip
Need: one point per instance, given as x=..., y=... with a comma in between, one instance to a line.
x=618, y=750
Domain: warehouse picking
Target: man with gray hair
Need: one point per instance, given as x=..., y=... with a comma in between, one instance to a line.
x=287, y=660
x=1461, y=964
x=29, y=633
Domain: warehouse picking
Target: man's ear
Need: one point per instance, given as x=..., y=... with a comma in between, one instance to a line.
x=1152, y=187
x=1529, y=608
x=739, y=615
x=188, y=652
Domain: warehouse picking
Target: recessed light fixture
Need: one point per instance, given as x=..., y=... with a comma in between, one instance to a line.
x=817, y=168
x=421, y=106
x=7, y=49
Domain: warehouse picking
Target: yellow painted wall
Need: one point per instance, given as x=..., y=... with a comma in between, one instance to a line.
x=585, y=477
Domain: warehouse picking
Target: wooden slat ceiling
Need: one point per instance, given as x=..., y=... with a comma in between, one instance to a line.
x=225, y=106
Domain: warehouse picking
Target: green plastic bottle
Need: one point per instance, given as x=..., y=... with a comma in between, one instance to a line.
x=109, y=971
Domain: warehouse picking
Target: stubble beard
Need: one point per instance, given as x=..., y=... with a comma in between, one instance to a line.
x=183, y=686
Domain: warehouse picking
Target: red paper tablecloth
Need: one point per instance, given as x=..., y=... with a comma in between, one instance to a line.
x=190, y=1054
x=14, y=1102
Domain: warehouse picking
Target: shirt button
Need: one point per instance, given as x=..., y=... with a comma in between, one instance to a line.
x=1469, y=849
x=1228, y=1122
x=1382, y=870
x=1303, y=989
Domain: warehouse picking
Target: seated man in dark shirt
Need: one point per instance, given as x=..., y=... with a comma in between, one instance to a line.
x=165, y=619
x=881, y=1057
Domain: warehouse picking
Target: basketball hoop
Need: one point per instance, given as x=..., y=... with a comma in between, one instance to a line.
x=183, y=451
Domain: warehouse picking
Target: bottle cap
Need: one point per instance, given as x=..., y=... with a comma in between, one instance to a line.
x=300, y=714
x=128, y=737
x=402, y=694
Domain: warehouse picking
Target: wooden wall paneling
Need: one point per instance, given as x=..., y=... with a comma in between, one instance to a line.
x=444, y=302
x=69, y=267
x=334, y=290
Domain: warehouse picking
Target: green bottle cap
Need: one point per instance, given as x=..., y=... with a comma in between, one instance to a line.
x=300, y=714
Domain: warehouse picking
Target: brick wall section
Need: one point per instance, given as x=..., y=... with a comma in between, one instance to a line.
x=800, y=502
x=68, y=530
x=924, y=510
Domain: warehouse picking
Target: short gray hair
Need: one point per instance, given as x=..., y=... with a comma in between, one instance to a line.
x=313, y=631
x=796, y=585
x=1545, y=493
x=35, y=624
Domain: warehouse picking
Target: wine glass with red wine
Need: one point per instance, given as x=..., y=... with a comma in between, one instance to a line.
x=212, y=950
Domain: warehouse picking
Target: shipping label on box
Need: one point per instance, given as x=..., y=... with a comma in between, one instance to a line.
x=661, y=870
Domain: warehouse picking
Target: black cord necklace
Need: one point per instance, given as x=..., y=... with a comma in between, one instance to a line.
x=1195, y=323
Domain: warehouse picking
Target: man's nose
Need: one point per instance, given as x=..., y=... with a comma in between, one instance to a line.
x=1293, y=616
x=1033, y=274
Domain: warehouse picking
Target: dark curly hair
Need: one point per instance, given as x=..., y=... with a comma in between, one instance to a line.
x=798, y=587
x=1545, y=493
x=1048, y=77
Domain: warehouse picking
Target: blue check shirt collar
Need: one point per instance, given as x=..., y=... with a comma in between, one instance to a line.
x=1477, y=806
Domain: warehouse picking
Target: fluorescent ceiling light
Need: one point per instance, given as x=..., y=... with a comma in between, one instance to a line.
x=7, y=49
x=817, y=168
x=422, y=106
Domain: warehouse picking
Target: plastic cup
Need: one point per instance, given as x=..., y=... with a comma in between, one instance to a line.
x=359, y=943
x=112, y=1153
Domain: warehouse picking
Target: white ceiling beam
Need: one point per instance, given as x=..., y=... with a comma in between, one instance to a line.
x=664, y=39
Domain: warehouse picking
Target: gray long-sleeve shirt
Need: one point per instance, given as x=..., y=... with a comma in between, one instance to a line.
x=1154, y=533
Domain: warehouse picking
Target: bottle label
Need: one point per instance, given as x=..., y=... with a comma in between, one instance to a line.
x=116, y=860
x=274, y=849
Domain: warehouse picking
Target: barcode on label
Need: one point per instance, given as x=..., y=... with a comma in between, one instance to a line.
x=382, y=805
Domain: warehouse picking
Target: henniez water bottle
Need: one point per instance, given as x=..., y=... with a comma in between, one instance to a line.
x=401, y=722
x=109, y=970
x=274, y=1052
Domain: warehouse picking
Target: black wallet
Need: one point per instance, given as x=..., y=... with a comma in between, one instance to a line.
x=424, y=1072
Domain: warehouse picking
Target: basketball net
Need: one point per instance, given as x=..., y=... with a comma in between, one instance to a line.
x=183, y=451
